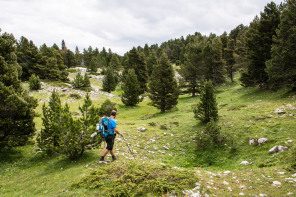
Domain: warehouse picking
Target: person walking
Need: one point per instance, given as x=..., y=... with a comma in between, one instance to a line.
x=112, y=128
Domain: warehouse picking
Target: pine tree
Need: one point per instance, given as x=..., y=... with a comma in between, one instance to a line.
x=16, y=106
x=34, y=82
x=109, y=83
x=48, y=138
x=229, y=58
x=193, y=69
x=207, y=109
x=151, y=62
x=131, y=89
x=78, y=81
x=281, y=68
x=137, y=62
x=163, y=87
x=86, y=81
x=258, y=46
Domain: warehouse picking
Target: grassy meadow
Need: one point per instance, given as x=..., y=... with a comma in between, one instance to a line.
x=168, y=147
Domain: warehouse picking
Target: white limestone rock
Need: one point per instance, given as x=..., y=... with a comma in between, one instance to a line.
x=262, y=141
x=142, y=129
x=274, y=149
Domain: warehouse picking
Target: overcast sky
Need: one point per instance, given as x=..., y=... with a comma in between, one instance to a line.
x=122, y=24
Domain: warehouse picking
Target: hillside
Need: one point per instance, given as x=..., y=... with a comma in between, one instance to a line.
x=168, y=147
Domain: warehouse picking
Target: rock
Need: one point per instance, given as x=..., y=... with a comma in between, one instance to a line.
x=38, y=149
x=290, y=193
x=289, y=141
x=93, y=135
x=166, y=148
x=252, y=141
x=262, y=195
x=293, y=109
x=225, y=183
x=281, y=172
x=276, y=183
x=262, y=141
x=294, y=175
x=279, y=111
x=241, y=194
x=282, y=148
x=274, y=149
x=245, y=163
x=242, y=187
x=142, y=129
x=227, y=172
x=152, y=141
x=229, y=188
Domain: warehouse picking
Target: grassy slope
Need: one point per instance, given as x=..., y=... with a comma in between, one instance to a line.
x=244, y=113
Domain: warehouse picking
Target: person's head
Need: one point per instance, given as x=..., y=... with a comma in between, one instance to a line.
x=113, y=113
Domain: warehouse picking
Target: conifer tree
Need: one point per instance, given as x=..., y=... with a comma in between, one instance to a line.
x=34, y=82
x=16, y=106
x=258, y=46
x=137, y=62
x=229, y=58
x=193, y=69
x=281, y=68
x=151, y=62
x=78, y=81
x=163, y=87
x=109, y=83
x=86, y=81
x=207, y=109
x=131, y=89
x=48, y=138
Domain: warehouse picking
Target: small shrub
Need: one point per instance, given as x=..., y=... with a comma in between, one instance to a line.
x=106, y=108
x=153, y=124
x=137, y=179
x=236, y=107
x=34, y=82
x=163, y=126
x=72, y=70
x=75, y=96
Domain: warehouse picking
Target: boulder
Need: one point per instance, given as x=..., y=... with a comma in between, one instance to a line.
x=274, y=149
x=142, y=129
x=279, y=111
x=252, y=141
x=245, y=163
x=282, y=148
x=293, y=109
x=276, y=183
x=262, y=141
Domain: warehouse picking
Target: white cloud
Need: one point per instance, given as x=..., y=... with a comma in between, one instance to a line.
x=119, y=24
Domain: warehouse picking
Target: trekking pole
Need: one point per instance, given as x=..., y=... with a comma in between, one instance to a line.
x=128, y=148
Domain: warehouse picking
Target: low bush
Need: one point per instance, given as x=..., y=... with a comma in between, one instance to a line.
x=138, y=179
x=75, y=96
x=34, y=82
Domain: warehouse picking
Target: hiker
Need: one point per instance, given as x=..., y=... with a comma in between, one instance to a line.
x=111, y=136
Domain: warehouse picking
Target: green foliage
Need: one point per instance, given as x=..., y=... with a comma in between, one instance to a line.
x=34, y=82
x=193, y=69
x=207, y=109
x=16, y=106
x=131, y=89
x=163, y=88
x=134, y=179
x=109, y=83
x=229, y=57
x=281, y=68
x=75, y=95
x=80, y=81
x=75, y=135
x=106, y=108
x=137, y=62
x=258, y=45
x=52, y=122
x=62, y=134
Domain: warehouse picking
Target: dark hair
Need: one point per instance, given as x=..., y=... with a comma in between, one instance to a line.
x=113, y=113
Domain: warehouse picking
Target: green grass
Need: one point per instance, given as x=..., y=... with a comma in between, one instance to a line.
x=171, y=139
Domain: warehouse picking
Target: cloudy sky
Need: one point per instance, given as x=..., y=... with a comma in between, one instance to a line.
x=122, y=24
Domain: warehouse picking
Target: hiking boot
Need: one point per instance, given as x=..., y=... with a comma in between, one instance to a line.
x=101, y=160
x=114, y=157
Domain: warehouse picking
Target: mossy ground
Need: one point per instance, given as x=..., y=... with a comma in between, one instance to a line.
x=170, y=139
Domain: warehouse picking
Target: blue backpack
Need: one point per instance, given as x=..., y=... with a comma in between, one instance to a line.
x=103, y=127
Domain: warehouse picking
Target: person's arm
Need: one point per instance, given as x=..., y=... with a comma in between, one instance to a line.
x=115, y=129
